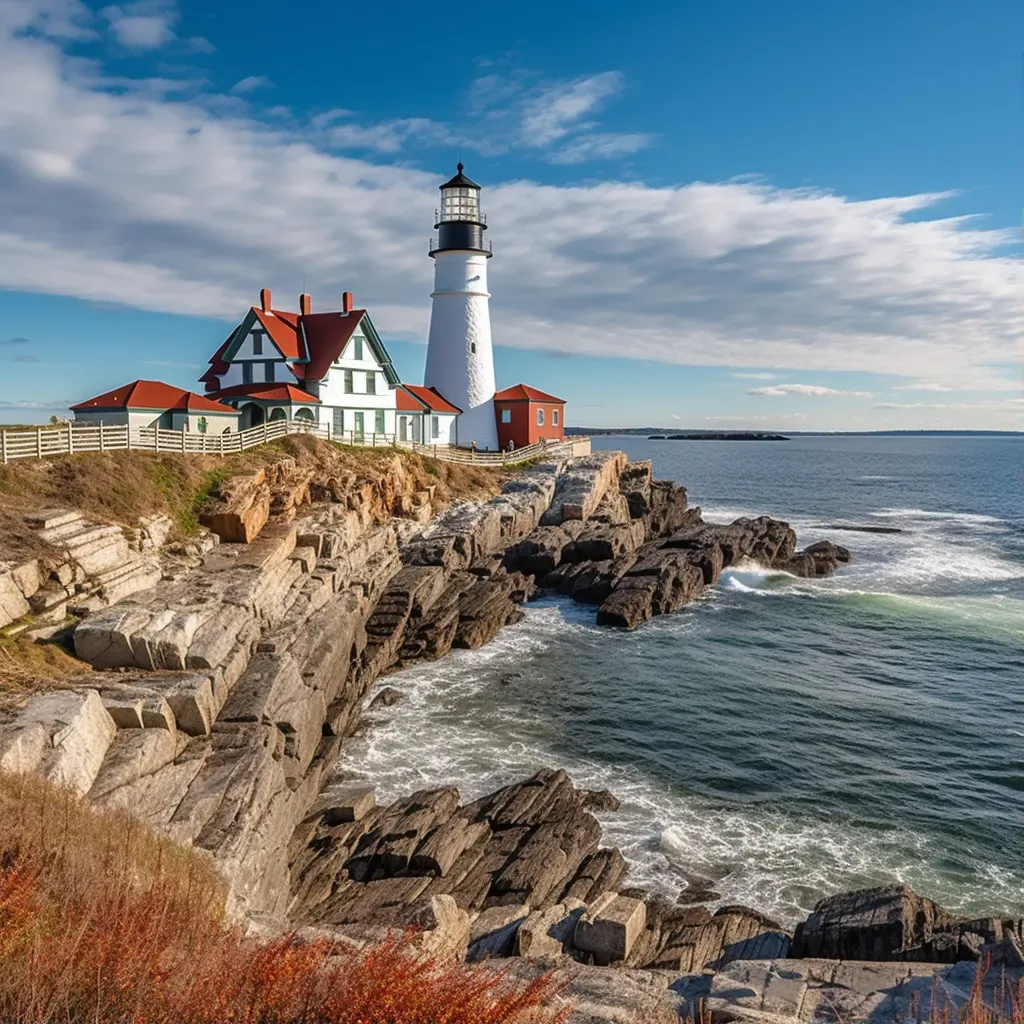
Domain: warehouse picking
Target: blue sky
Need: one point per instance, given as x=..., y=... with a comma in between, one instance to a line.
x=796, y=214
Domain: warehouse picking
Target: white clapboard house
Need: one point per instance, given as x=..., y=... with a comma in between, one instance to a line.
x=329, y=368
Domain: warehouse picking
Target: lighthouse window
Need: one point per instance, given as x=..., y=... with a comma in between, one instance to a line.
x=459, y=204
x=540, y=417
x=472, y=346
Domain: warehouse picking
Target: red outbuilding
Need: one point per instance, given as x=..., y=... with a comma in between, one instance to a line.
x=526, y=416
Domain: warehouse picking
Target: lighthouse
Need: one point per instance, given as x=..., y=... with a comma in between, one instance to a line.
x=460, y=363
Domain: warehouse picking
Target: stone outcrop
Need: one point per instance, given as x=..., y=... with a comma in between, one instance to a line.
x=893, y=922
x=530, y=845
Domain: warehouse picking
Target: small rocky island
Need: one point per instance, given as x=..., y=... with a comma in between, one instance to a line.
x=220, y=700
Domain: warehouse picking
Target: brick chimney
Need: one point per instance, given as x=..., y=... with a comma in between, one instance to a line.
x=265, y=300
x=305, y=304
x=346, y=303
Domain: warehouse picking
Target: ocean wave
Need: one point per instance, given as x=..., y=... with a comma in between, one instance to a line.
x=996, y=615
x=927, y=514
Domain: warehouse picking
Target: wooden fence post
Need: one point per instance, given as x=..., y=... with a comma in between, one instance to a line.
x=3, y=445
x=101, y=436
x=183, y=437
x=156, y=438
x=39, y=442
x=71, y=439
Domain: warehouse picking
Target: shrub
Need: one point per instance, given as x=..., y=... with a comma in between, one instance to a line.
x=102, y=921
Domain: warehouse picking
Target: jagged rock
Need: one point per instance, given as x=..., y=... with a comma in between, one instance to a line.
x=347, y=802
x=133, y=754
x=600, y=800
x=13, y=604
x=548, y=932
x=821, y=559
x=78, y=732
x=635, y=486
x=242, y=510
x=581, y=487
x=493, y=932
x=386, y=697
x=609, y=927
x=893, y=922
x=446, y=929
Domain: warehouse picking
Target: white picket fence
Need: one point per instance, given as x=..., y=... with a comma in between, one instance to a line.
x=71, y=438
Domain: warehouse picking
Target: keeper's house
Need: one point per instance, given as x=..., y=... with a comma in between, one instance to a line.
x=329, y=368
x=527, y=415
x=151, y=403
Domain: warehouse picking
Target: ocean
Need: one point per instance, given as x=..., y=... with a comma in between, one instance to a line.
x=780, y=739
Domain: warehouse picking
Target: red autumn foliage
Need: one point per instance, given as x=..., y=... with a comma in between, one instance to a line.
x=102, y=921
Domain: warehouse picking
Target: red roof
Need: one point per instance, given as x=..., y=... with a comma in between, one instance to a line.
x=269, y=392
x=317, y=337
x=152, y=394
x=327, y=335
x=415, y=397
x=523, y=392
x=283, y=328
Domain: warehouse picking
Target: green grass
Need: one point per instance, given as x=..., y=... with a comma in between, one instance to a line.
x=188, y=517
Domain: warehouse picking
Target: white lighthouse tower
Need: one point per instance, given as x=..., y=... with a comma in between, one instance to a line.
x=460, y=363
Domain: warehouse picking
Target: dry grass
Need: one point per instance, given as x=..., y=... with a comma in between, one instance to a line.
x=27, y=667
x=121, y=486
x=102, y=921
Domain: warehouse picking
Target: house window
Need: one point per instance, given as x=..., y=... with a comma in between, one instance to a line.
x=257, y=343
x=371, y=383
x=268, y=371
x=554, y=417
x=506, y=415
x=360, y=426
x=357, y=348
x=339, y=421
x=246, y=373
x=540, y=417
x=349, y=386
x=435, y=426
x=378, y=421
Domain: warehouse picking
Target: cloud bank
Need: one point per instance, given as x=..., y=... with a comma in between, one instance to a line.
x=189, y=203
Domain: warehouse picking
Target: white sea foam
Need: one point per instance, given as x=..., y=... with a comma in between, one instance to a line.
x=459, y=726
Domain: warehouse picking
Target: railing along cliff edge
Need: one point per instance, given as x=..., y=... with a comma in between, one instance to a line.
x=72, y=438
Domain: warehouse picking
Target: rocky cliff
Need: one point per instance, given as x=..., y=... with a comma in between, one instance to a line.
x=221, y=697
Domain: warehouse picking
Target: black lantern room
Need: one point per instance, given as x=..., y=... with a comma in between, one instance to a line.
x=460, y=224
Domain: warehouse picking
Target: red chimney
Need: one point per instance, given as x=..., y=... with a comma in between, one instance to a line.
x=265, y=300
x=305, y=304
x=346, y=302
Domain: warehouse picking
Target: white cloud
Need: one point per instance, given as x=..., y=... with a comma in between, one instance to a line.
x=1004, y=403
x=144, y=25
x=156, y=201
x=599, y=146
x=250, y=84
x=754, y=376
x=807, y=390
x=557, y=109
